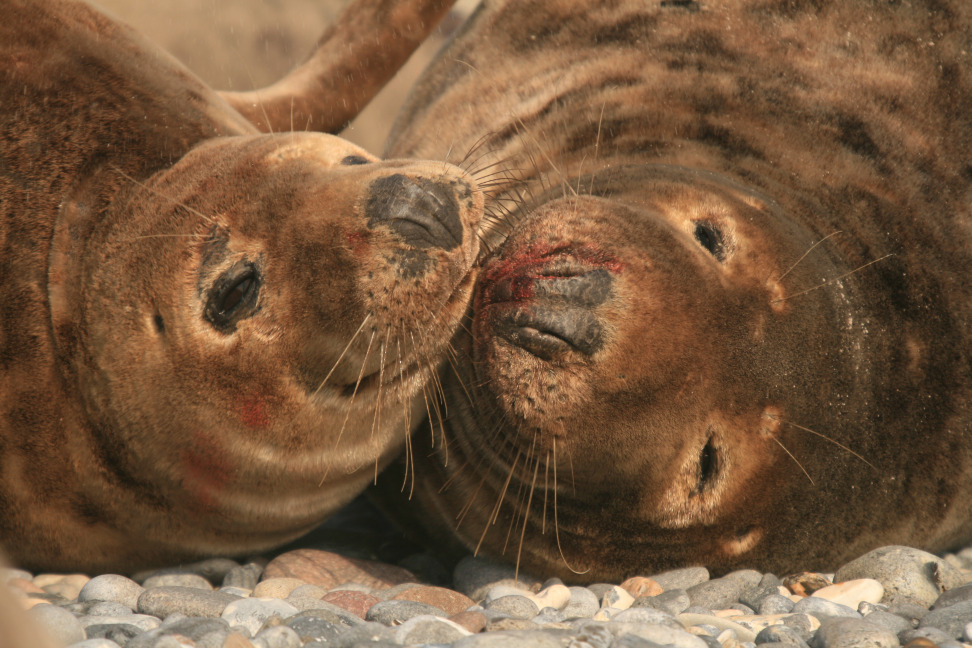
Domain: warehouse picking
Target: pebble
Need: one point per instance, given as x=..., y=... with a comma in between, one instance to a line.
x=890, y=622
x=108, y=608
x=58, y=623
x=556, y=596
x=357, y=603
x=775, y=604
x=583, y=603
x=781, y=634
x=616, y=598
x=112, y=587
x=907, y=574
x=278, y=637
x=514, y=606
x=253, y=613
x=329, y=570
x=144, y=621
x=397, y=612
x=681, y=578
x=191, y=601
x=276, y=587
x=837, y=632
x=194, y=581
x=452, y=602
x=953, y=596
x=429, y=630
x=852, y=593
x=824, y=609
x=475, y=576
x=639, y=586
x=243, y=576
x=720, y=623
x=65, y=585
x=717, y=594
x=951, y=620
x=806, y=583
x=310, y=628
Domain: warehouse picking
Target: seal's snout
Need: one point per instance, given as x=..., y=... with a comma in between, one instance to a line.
x=548, y=332
x=423, y=212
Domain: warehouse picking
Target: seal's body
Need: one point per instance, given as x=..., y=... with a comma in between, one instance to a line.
x=210, y=338
x=732, y=324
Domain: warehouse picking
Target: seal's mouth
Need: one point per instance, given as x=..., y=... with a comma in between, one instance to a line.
x=545, y=303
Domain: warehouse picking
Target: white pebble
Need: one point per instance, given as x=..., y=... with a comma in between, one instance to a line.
x=852, y=592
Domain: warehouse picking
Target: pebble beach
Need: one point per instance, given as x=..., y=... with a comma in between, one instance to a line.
x=321, y=597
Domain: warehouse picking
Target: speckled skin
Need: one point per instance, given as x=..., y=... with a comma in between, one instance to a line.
x=732, y=322
x=210, y=338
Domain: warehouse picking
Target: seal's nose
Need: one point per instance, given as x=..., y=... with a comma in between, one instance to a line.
x=423, y=212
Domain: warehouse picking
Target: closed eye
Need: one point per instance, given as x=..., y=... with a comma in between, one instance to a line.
x=711, y=238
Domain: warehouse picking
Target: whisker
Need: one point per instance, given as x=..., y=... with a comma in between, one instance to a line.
x=811, y=249
x=830, y=281
x=158, y=193
x=556, y=521
x=827, y=438
x=797, y=461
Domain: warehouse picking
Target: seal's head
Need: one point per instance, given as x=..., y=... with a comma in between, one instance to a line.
x=251, y=329
x=635, y=367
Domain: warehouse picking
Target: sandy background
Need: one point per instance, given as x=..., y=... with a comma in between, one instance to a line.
x=246, y=44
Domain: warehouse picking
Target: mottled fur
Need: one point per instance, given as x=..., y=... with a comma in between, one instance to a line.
x=779, y=192
x=210, y=338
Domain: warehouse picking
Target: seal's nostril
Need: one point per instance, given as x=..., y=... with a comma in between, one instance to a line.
x=423, y=212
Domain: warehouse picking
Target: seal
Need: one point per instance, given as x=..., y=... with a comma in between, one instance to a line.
x=730, y=321
x=210, y=338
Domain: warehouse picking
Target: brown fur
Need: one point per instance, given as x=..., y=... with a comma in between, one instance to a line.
x=143, y=418
x=752, y=218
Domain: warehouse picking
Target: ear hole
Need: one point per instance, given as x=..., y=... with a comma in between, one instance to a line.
x=159, y=323
x=710, y=237
x=353, y=160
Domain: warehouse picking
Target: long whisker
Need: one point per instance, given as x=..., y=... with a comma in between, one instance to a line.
x=797, y=461
x=811, y=249
x=830, y=281
x=158, y=193
x=834, y=441
x=556, y=521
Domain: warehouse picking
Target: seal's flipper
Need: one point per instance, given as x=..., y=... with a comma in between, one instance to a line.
x=351, y=62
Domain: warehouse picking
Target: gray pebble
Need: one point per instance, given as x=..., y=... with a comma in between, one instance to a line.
x=910, y=611
x=245, y=576
x=802, y=623
x=253, y=613
x=278, y=637
x=429, y=630
x=781, y=634
x=61, y=625
x=698, y=609
x=311, y=628
x=933, y=634
x=364, y=635
x=163, y=601
x=95, y=643
x=951, y=620
x=144, y=621
x=907, y=574
x=682, y=578
x=177, y=580
x=953, y=596
x=395, y=612
x=112, y=587
x=824, y=609
x=768, y=586
x=214, y=570
x=750, y=577
x=518, y=638
x=838, y=632
x=591, y=635
x=119, y=633
x=775, y=604
x=517, y=607
x=890, y=622
x=583, y=604
x=549, y=615
x=634, y=641
x=194, y=627
x=717, y=594
x=649, y=616
x=107, y=608
x=673, y=601
x=866, y=607
x=676, y=637
x=600, y=589
x=745, y=609
x=475, y=576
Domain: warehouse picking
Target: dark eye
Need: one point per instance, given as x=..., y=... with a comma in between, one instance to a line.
x=233, y=297
x=710, y=237
x=352, y=160
x=708, y=466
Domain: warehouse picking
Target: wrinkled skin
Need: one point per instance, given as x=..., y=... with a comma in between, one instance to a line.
x=728, y=323
x=210, y=338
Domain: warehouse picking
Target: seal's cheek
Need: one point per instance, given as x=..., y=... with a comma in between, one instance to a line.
x=252, y=411
x=206, y=471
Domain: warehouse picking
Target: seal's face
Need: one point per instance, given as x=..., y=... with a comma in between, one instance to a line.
x=617, y=344
x=253, y=345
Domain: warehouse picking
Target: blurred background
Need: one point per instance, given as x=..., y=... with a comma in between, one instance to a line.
x=247, y=44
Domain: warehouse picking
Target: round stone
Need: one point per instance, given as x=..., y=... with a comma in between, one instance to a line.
x=681, y=578
x=471, y=620
x=95, y=643
x=907, y=574
x=450, y=601
x=886, y=620
x=253, y=613
x=429, y=630
x=310, y=628
x=118, y=633
x=673, y=601
x=58, y=623
x=112, y=587
x=583, y=604
x=243, y=576
x=194, y=581
x=517, y=607
x=824, y=609
x=397, y=612
x=555, y=596
x=837, y=632
x=616, y=598
x=951, y=620
x=64, y=585
x=357, y=603
x=145, y=622
x=330, y=570
x=639, y=586
x=190, y=601
x=852, y=593
x=775, y=604
x=108, y=608
x=953, y=596
x=717, y=594
x=279, y=637
x=475, y=576
x=276, y=587
x=781, y=634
